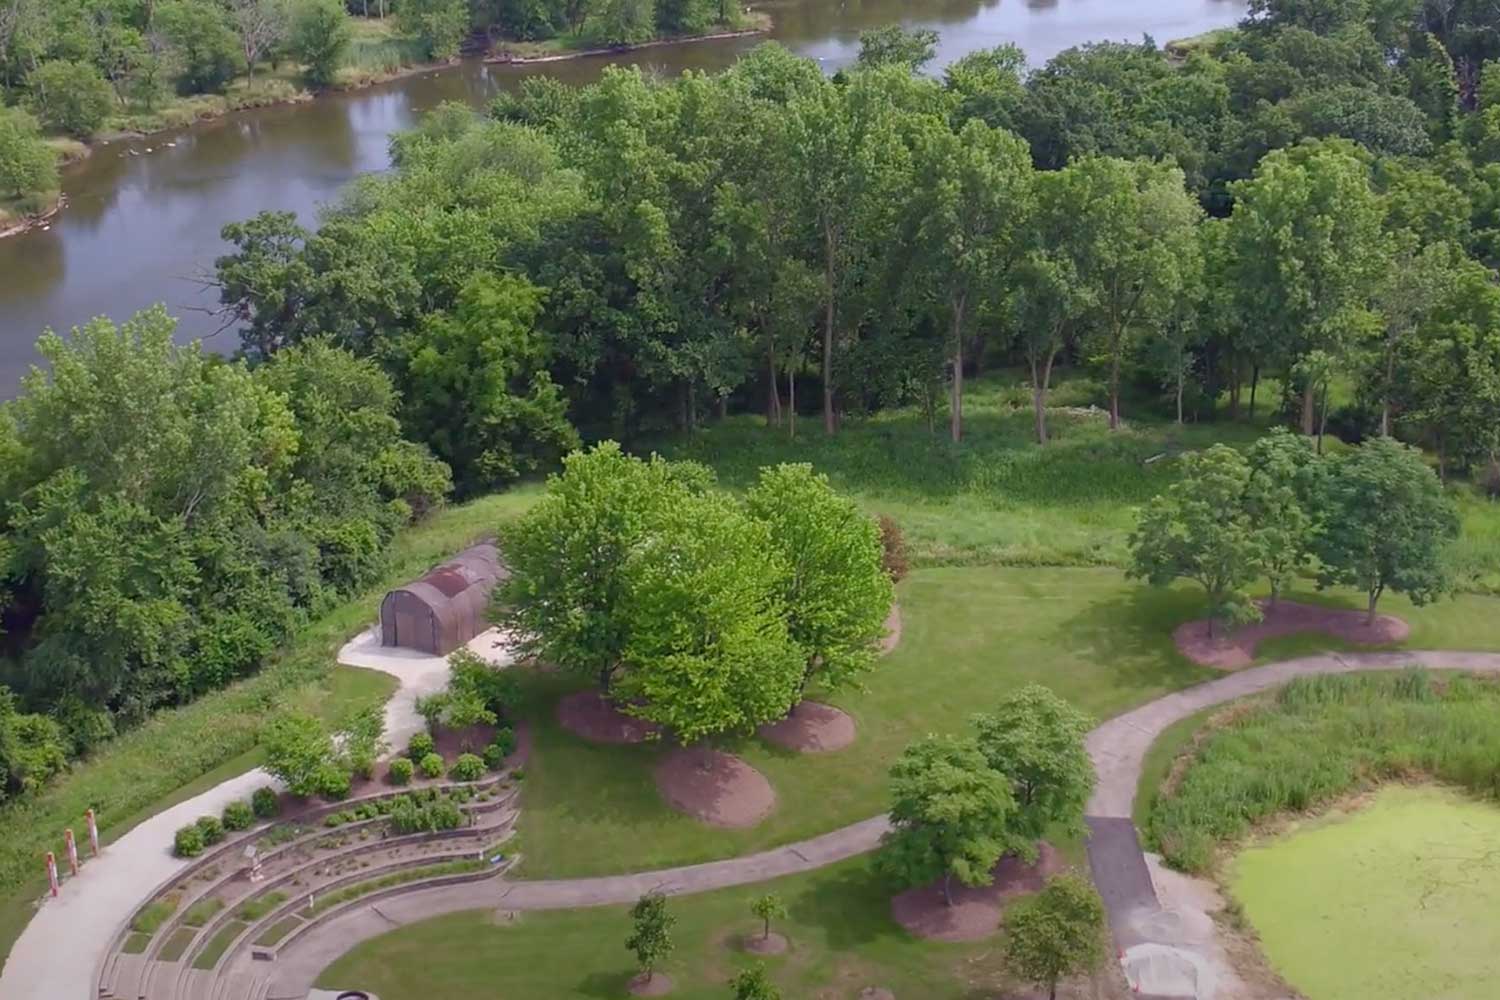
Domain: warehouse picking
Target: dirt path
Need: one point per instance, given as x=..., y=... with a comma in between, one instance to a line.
x=1117, y=747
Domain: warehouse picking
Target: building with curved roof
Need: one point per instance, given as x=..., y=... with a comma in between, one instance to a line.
x=447, y=607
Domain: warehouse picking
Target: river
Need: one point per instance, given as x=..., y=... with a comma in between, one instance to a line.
x=143, y=216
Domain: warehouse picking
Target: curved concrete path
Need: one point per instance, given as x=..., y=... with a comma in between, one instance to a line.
x=58, y=954
x=1117, y=748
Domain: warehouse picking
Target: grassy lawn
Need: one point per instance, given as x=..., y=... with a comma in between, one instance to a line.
x=970, y=635
x=1394, y=900
x=184, y=751
x=842, y=939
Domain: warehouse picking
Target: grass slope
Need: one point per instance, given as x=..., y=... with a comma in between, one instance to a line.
x=1394, y=900
x=842, y=939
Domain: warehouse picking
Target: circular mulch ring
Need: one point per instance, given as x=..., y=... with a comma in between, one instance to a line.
x=975, y=913
x=716, y=788
x=892, y=635
x=658, y=985
x=765, y=944
x=588, y=715
x=876, y=993
x=810, y=727
x=1231, y=649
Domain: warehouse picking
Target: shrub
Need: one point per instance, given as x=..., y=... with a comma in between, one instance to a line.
x=420, y=746
x=211, y=828
x=494, y=757
x=238, y=815
x=468, y=767
x=27, y=164
x=333, y=782
x=188, y=842
x=893, y=546
x=264, y=802
x=401, y=769
x=431, y=765
x=410, y=817
x=505, y=740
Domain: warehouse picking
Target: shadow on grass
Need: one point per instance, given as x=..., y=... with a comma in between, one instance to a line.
x=606, y=985
x=851, y=908
x=1131, y=634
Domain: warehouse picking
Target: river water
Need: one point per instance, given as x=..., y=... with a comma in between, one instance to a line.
x=143, y=216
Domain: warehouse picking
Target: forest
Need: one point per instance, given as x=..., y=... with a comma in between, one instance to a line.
x=1297, y=217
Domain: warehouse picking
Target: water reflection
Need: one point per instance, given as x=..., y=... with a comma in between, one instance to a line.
x=144, y=216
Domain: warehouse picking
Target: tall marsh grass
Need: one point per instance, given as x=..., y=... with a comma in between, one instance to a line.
x=1320, y=738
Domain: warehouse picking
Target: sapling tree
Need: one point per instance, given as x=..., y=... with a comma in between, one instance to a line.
x=1056, y=933
x=834, y=589
x=767, y=908
x=950, y=815
x=1035, y=739
x=1383, y=524
x=651, y=933
x=1199, y=530
x=298, y=750
x=754, y=984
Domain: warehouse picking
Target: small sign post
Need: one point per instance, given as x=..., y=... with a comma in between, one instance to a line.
x=93, y=833
x=52, y=872
x=72, y=851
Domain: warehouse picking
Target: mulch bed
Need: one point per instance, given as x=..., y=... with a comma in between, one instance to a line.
x=588, y=715
x=767, y=944
x=659, y=984
x=1233, y=649
x=810, y=727
x=892, y=636
x=717, y=788
x=975, y=913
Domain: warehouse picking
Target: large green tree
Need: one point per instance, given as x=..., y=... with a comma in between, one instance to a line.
x=1036, y=740
x=320, y=36
x=27, y=165
x=1058, y=932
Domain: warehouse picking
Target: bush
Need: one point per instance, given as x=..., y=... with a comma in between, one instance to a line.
x=333, y=782
x=420, y=746
x=264, y=802
x=188, y=841
x=468, y=767
x=70, y=97
x=431, y=765
x=893, y=545
x=211, y=828
x=440, y=814
x=238, y=815
x=505, y=741
x=27, y=164
x=401, y=769
x=494, y=757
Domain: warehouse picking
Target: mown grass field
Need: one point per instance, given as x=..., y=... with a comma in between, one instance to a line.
x=1392, y=900
x=842, y=940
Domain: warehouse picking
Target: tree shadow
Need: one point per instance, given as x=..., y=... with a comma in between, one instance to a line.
x=606, y=985
x=851, y=908
x=1131, y=632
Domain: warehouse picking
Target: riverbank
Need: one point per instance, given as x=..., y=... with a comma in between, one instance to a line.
x=558, y=50
x=17, y=217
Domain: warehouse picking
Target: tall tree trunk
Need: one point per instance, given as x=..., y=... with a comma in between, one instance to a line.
x=791, y=401
x=721, y=407
x=1179, y=394
x=948, y=888
x=1322, y=417
x=956, y=415
x=1234, y=389
x=1254, y=381
x=1114, y=383
x=773, y=397
x=828, y=424
x=1308, y=411
x=1041, y=378
x=1385, y=397
x=1370, y=613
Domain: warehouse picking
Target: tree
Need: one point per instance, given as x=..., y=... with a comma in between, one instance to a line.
x=320, y=36
x=1036, y=740
x=299, y=751
x=437, y=25
x=651, y=932
x=565, y=599
x=974, y=201
x=950, y=815
x=477, y=387
x=835, y=591
x=70, y=97
x=1046, y=306
x=204, y=41
x=27, y=164
x=1276, y=502
x=767, y=908
x=1056, y=933
x=261, y=25
x=1198, y=529
x=754, y=984
x=707, y=648
x=1383, y=523
x=32, y=749
x=1130, y=246
x=623, y=22
x=894, y=45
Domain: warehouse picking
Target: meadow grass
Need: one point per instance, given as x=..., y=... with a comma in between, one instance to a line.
x=1393, y=899
x=840, y=931
x=1320, y=738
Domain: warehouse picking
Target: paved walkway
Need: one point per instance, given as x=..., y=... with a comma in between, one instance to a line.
x=1117, y=748
x=58, y=954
